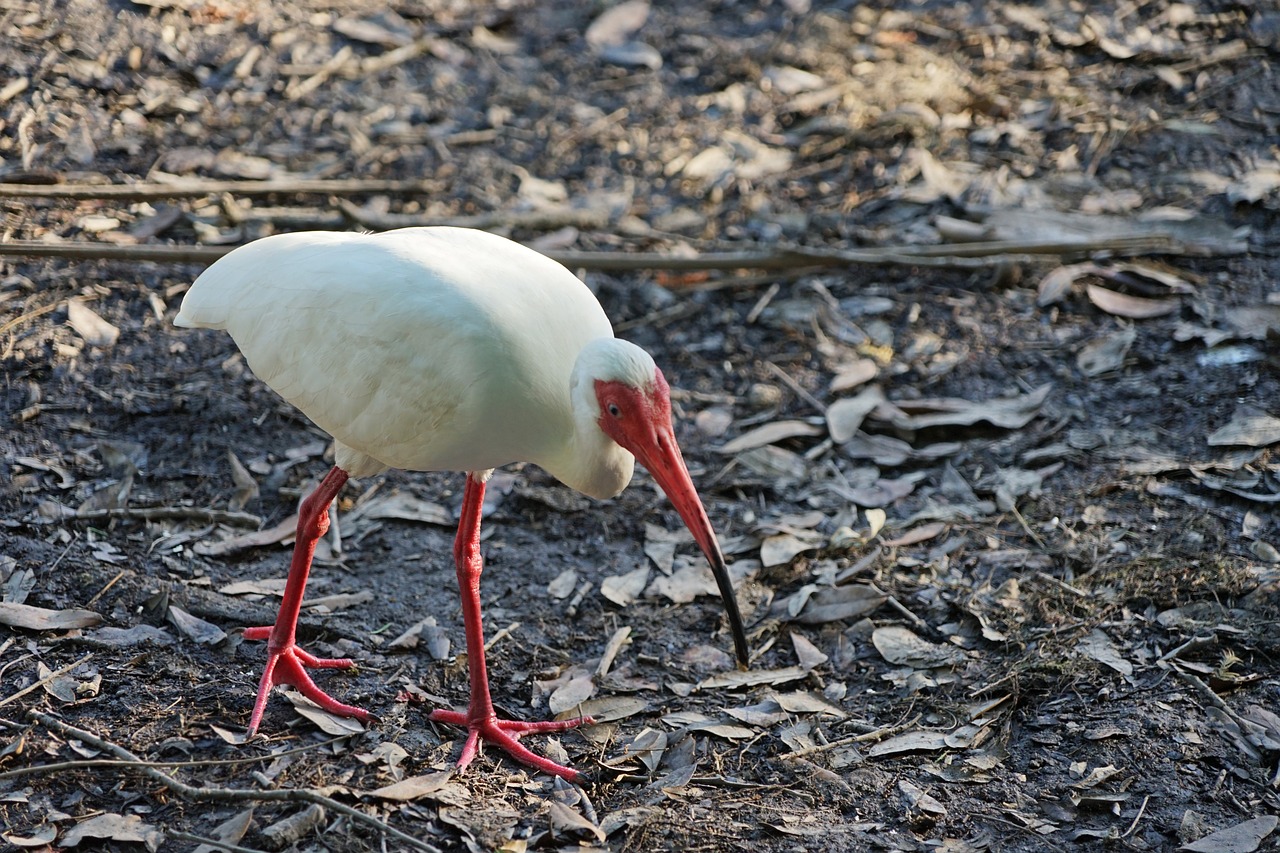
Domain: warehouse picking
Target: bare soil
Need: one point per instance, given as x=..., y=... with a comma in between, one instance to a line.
x=1069, y=639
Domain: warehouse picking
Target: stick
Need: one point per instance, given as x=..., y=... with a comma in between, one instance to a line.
x=187, y=188
x=950, y=255
x=227, y=795
x=42, y=682
x=154, y=513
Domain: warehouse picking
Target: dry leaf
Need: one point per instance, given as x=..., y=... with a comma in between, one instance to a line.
x=839, y=603
x=114, y=827
x=564, y=584
x=1004, y=412
x=1057, y=282
x=578, y=689
x=404, y=507
x=1249, y=427
x=229, y=832
x=902, y=647
x=96, y=331
x=845, y=416
x=1134, y=307
x=42, y=619
x=918, y=741
x=246, y=486
x=271, y=536
x=750, y=678
x=1244, y=837
x=809, y=655
x=415, y=787
x=330, y=724
x=916, y=535
x=770, y=433
x=852, y=375
x=205, y=633
x=625, y=589
x=1099, y=647
x=1106, y=353
x=566, y=819
x=780, y=549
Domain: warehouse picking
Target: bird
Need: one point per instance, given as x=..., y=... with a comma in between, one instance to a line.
x=444, y=349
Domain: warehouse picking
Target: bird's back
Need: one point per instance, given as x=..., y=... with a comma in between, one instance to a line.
x=423, y=348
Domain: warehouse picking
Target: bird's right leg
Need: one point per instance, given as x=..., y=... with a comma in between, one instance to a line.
x=286, y=662
x=480, y=719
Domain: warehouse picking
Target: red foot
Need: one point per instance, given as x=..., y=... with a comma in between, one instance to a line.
x=288, y=666
x=506, y=734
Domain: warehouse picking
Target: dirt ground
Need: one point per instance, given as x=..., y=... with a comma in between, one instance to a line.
x=1000, y=517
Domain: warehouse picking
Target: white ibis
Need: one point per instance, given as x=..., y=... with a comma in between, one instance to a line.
x=437, y=349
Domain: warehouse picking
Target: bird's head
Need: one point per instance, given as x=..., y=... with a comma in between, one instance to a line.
x=634, y=404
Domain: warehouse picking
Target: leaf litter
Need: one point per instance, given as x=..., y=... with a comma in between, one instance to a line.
x=1059, y=493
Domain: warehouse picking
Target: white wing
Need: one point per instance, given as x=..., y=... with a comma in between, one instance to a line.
x=424, y=348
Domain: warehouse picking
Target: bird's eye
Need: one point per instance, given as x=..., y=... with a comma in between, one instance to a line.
x=614, y=410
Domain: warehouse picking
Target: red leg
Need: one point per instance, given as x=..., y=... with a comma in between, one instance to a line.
x=286, y=662
x=480, y=719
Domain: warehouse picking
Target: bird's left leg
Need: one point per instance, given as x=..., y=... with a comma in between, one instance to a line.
x=480, y=719
x=286, y=661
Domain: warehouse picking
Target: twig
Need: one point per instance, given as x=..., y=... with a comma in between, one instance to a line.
x=1251, y=732
x=103, y=591
x=1133, y=827
x=878, y=734
x=795, y=386
x=178, y=835
x=154, y=513
x=226, y=795
x=501, y=635
x=42, y=682
x=86, y=763
x=965, y=255
x=534, y=220
x=196, y=188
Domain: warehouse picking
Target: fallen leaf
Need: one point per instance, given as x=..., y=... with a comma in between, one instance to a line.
x=229, y=832
x=770, y=433
x=565, y=819
x=1107, y=353
x=564, y=584
x=1133, y=307
x=205, y=633
x=839, y=603
x=917, y=798
x=572, y=693
x=96, y=331
x=1244, y=837
x=1249, y=427
x=330, y=724
x=114, y=827
x=916, y=535
x=1099, y=647
x=845, y=416
x=415, y=787
x=1004, y=412
x=622, y=590
x=753, y=677
x=270, y=536
x=902, y=647
x=42, y=619
x=917, y=741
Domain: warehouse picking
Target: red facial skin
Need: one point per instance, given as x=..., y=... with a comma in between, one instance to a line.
x=639, y=420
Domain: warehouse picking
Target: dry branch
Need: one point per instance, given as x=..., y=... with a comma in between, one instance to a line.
x=228, y=795
x=154, y=513
x=196, y=188
x=961, y=255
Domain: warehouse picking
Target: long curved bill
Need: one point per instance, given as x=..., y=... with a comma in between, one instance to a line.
x=666, y=464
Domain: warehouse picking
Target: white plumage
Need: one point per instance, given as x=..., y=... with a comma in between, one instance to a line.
x=422, y=348
x=444, y=349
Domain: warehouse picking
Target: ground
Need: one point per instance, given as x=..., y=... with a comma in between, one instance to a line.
x=1000, y=517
